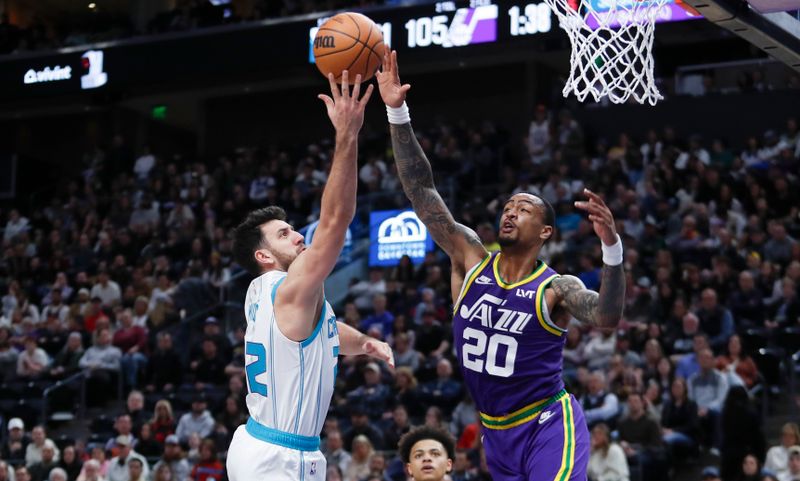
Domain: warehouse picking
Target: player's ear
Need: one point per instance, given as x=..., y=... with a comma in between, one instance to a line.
x=264, y=257
x=547, y=232
x=449, y=465
x=408, y=470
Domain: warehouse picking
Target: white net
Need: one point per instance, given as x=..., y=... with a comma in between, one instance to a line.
x=612, y=48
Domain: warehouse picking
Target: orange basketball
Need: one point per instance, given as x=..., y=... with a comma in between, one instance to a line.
x=349, y=41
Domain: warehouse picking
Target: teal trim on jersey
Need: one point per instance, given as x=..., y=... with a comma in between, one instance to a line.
x=281, y=438
x=302, y=385
x=275, y=290
x=319, y=324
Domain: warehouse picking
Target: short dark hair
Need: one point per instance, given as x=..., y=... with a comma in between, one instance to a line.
x=247, y=237
x=549, y=211
x=423, y=433
x=141, y=464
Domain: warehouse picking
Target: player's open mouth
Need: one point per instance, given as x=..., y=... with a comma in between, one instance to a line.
x=507, y=227
x=427, y=469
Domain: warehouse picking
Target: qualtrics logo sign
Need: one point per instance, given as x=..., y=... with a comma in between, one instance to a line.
x=91, y=65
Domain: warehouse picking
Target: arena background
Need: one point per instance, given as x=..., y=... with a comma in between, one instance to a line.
x=214, y=104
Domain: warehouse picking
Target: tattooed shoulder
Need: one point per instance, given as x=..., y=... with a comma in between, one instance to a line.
x=573, y=295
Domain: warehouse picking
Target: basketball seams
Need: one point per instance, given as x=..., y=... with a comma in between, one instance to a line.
x=357, y=62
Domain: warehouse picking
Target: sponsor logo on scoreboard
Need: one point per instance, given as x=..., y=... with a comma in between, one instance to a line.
x=396, y=233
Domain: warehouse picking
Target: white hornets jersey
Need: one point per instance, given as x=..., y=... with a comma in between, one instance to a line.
x=289, y=384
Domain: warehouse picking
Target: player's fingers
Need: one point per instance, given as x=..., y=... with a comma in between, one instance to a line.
x=593, y=196
x=328, y=101
x=395, y=68
x=387, y=61
x=345, y=83
x=367, y=95
x=334, y=87
x=405, y=88
x=357, y=87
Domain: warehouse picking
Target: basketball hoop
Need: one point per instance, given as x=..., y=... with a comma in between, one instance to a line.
x=612, y=48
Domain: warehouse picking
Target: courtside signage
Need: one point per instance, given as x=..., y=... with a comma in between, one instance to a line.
x=396, y=233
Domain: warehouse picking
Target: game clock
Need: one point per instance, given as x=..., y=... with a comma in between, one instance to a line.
x=530, y=19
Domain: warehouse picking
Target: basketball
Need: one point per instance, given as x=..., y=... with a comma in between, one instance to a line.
x=349, y=41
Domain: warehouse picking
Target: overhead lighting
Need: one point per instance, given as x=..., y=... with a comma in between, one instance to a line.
x=92, y=6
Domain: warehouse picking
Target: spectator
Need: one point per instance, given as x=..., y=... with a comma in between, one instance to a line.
x=39, y=440
x=22, y=474
x=335, y=454
x=708, y=388
x=359, y=464
x=123, y=426
x=404, y=354
x=689, y=364
x=380, y=318
x=71, y=463
x=16, y=444
x=607, y=461
x=746, y=303
x=364, y=292
x=136, y=470
x=163, y=422
x=119, y=466
x=741, y=433
x=131, y=340
x=67, y=361
x=6, y=471
x=163, y=473
x=39, y=471
x=210, y=367
x=91, y=472
x=600, y=348
x=778, y=456
x=640, y=438
x=174, y=460
x=679, y=421
x=444, y=392
x=145, y=444
x=715, y=320
x=431, y=340
x=406, y=392
x=57, y=474
x=361, y=426
x=750, y=469
x=134, y=407
x=599, y=405
x=165, y=372
x=106, y=290
x=56, y=307
x=198, y=420
x=399, y=426
x=102, y=360
x=209, y=468
x=231, y=418
x=738, y=365
x=793, y=473
x=33, y=361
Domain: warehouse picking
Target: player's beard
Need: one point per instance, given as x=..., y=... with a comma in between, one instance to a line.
x=285, y=260
x=507, y=241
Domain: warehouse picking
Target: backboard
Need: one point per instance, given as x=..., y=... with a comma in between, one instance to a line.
x=771, y=25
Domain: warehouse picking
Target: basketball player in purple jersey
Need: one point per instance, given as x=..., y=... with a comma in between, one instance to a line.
x=509, y=346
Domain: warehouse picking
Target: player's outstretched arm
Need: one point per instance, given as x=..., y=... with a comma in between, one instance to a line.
x=603, y=309
x=353, y=343
x=458, y=241
x=307, y=273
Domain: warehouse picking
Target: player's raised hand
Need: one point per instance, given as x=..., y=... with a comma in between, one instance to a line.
x=379, y=350
x=345, y=109
x=392, y=91
x=601, y=217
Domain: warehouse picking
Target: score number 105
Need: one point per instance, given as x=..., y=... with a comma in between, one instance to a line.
x=534, y=18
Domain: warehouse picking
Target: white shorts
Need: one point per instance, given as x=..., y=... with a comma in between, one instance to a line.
x=251, y=459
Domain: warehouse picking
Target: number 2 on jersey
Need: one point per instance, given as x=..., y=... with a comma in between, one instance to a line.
x=256, y=368
x=475, y=346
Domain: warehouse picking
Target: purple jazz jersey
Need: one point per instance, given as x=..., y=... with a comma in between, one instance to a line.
x=511, y=355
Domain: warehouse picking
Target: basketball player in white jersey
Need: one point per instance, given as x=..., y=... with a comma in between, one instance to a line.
x=293, y=340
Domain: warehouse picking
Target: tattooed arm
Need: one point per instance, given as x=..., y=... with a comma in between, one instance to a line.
x=459, y=242
x=603, y=309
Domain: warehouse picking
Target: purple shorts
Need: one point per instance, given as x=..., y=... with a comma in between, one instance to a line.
x=553, y=446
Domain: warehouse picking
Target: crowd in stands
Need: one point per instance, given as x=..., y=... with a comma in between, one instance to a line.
x=115, y=275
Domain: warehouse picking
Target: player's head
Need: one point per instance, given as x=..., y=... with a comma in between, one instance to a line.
x=528, y=220
x=265, y=242
x=428, y=453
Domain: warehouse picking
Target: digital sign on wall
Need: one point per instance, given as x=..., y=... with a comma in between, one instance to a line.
x=397, y=233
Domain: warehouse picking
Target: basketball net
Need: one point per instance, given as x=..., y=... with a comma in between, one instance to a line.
x=612, y=48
